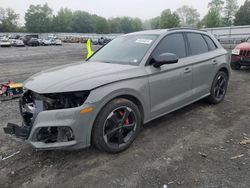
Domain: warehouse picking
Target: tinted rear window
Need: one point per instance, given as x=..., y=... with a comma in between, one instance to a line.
x=210, y=43
x=197, y=43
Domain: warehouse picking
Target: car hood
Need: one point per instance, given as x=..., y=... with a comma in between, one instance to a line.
x=244, y=45
x=81, y=76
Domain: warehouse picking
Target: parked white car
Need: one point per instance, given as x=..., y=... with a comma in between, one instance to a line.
x=47, y=42
x=57, y=42
x=5, y=43
x=18, y=43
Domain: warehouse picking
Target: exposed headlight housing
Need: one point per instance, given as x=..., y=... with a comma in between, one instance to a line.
x=236, y=51
x=55, y=101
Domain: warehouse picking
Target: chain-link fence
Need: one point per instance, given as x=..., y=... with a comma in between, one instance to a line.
x=228, y=36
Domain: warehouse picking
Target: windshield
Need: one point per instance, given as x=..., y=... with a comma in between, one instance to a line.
x=125, y=49
x=248, y=40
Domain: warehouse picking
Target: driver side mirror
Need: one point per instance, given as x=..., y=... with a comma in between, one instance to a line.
x=165, y=58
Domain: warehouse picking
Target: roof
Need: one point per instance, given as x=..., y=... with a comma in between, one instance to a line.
x=150, y=32
x=162, y=31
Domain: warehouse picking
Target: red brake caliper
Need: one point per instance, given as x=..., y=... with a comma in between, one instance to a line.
x=126, y=120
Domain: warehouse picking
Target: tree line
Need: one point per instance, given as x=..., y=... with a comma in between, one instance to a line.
x=40, y=18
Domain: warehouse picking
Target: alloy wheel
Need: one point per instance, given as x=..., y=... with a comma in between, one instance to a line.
x=119, y=127
x=220, y=87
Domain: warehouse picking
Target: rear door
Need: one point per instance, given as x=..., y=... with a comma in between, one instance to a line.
x=170, y=84
x=204, y=63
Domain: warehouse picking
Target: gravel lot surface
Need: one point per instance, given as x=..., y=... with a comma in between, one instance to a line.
x=197, y=146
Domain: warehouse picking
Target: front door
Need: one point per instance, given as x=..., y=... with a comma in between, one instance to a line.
x=171, y=84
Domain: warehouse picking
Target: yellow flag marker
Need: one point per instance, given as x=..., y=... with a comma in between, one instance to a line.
x=89, y=48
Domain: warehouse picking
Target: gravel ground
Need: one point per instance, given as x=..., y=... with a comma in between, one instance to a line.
x=197, y=146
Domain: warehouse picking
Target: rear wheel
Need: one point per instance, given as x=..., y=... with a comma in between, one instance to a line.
x=117, y=126
x=219, y=88
x=235, y=66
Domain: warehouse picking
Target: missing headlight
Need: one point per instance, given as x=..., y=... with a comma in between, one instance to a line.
x=56, y=101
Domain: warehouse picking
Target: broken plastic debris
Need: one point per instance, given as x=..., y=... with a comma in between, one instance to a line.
x=245, y=142
x=169, y=183
x=237, y=156
x=203, y=154
x=12, y=155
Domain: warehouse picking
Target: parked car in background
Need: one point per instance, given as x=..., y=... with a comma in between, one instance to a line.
x=33, y=42
x=95, y=41
x=46, y=42
x=241, y=55
x=11, y=40
x=56, y=41
x=40, y=41
x=132, y=80
x=103, y=41
x=27, y=38
x=18, y=43
x=4, y=42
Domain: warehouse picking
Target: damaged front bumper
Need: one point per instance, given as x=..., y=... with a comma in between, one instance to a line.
x=19, y=132
x=52, y=129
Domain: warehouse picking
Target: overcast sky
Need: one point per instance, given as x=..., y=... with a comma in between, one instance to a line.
x=144, y=9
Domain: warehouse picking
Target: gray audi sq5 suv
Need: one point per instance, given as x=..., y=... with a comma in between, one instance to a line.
x=132, y=80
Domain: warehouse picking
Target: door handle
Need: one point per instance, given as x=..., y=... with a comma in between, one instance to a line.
x=187, y=70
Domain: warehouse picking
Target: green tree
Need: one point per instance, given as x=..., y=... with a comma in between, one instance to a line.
x=82, y=22
x=128, y=24
x=188, y=16
x=100, y=24
x=8, y=20
x=39, y=18
x=216, y=5
x=169, y=20
x=137, y=24
x=230, y=10
x=242, y=16
x=155, y=23
x=63, y=21
x=115, y=25
x=212, y=19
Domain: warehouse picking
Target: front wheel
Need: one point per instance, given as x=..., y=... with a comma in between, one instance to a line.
x=117, y=126
x=219, y=88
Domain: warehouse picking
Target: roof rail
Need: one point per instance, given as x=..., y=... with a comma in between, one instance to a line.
x=186, y=28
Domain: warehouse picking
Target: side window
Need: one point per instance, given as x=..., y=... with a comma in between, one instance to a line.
x=197, y=43
x=210, y=43
x=173, y=43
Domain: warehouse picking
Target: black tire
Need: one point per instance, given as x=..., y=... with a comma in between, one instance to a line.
x=235, y=66
x=104, y=126
x=217, y=94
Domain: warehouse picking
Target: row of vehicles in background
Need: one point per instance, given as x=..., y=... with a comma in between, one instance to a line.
x=28, y=40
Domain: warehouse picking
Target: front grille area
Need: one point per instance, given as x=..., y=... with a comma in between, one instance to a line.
x=28, y=108
x=245, y=53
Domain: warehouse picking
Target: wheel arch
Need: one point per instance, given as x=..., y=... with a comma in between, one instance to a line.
x=136, y=101
x=224, y=69
x=132, y=94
